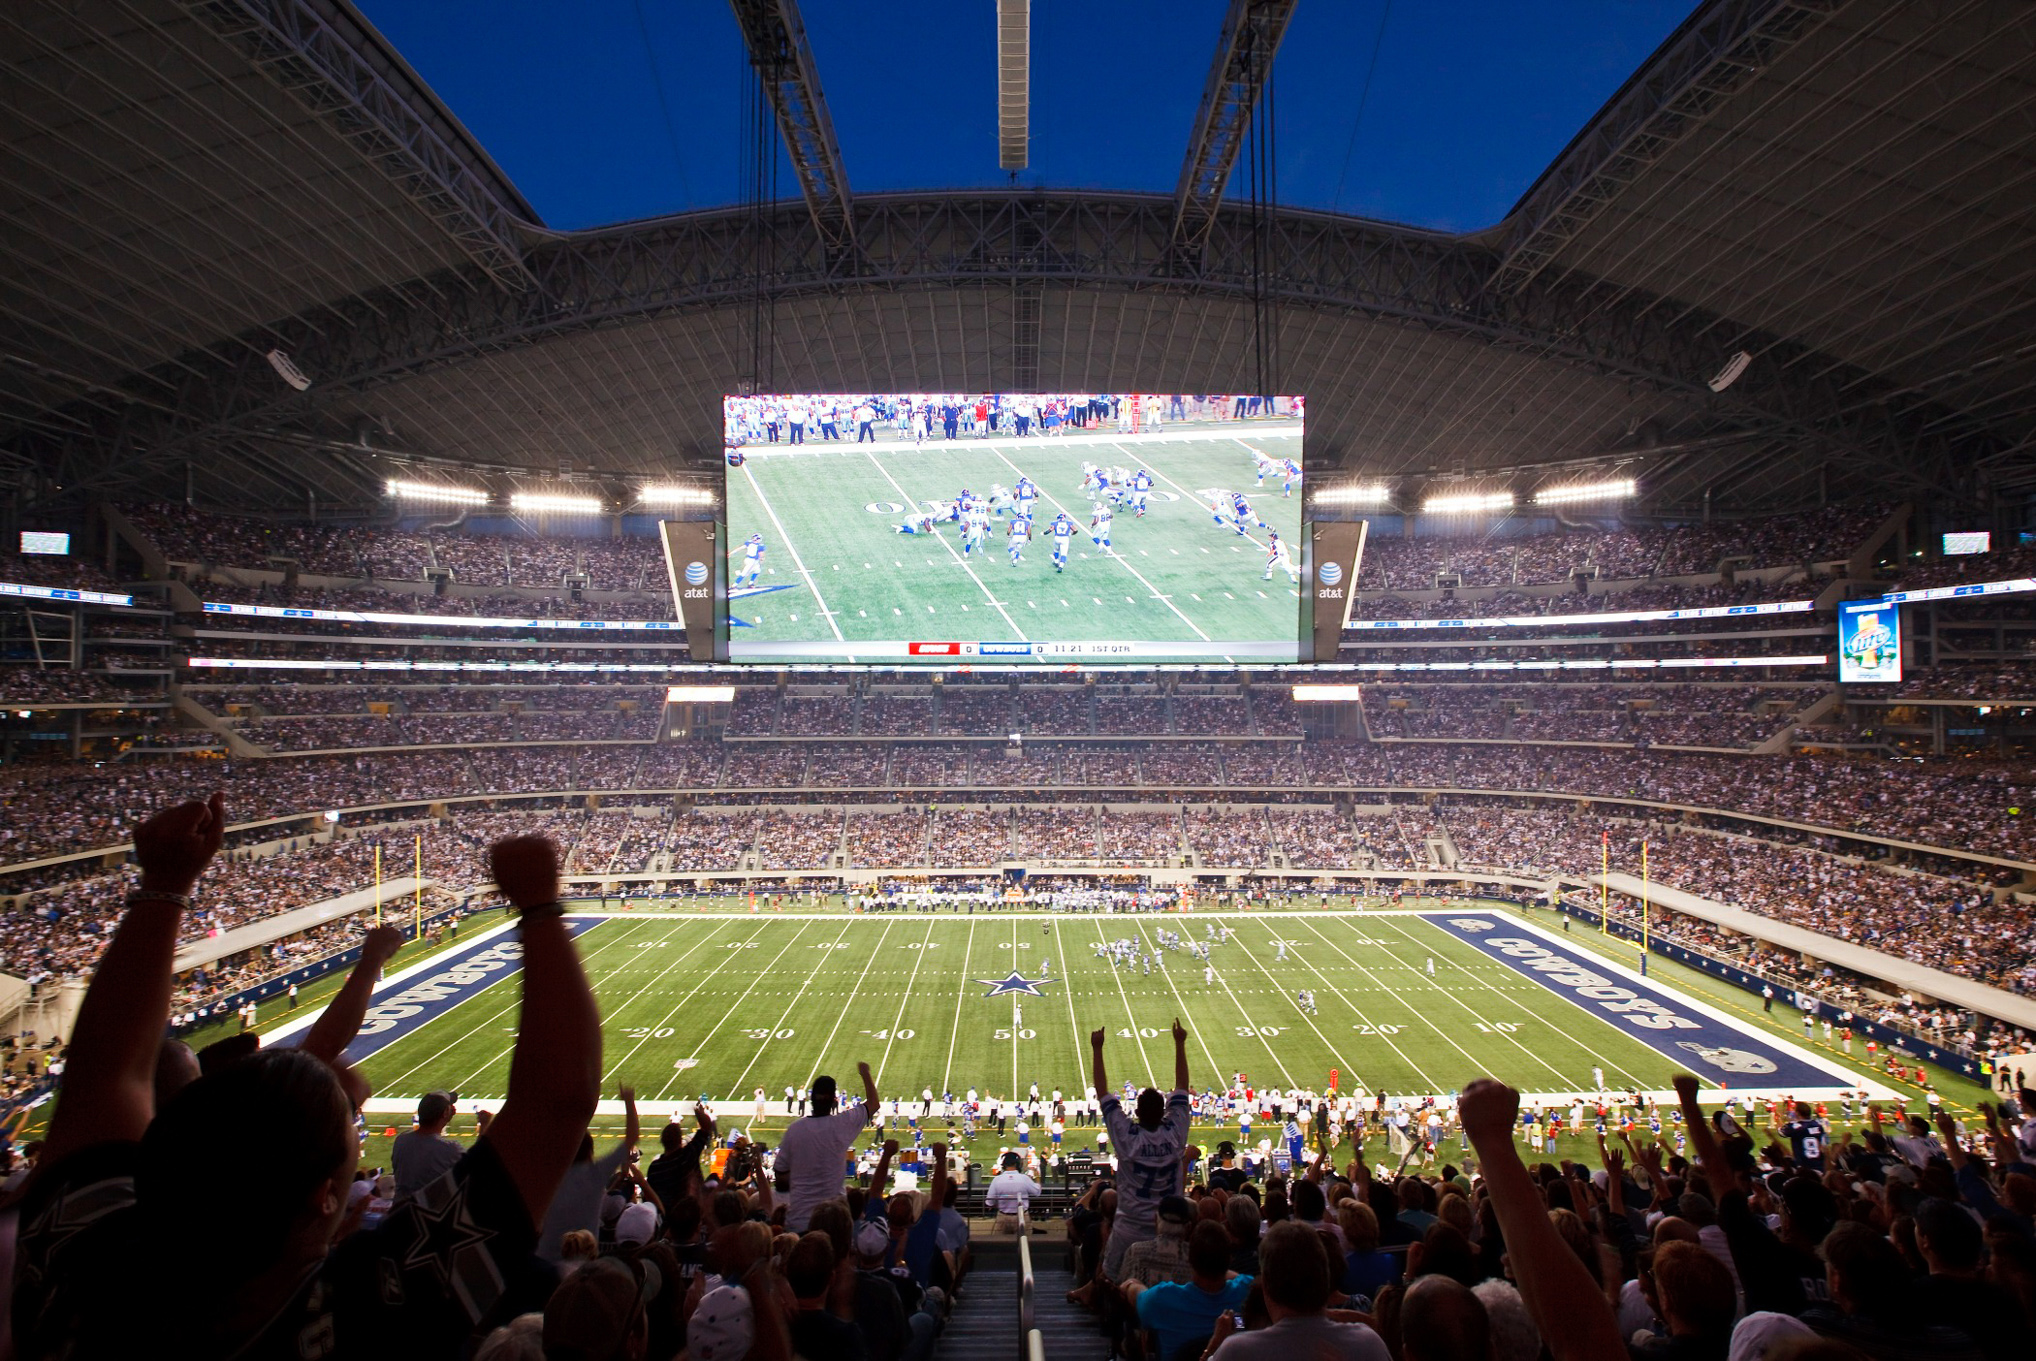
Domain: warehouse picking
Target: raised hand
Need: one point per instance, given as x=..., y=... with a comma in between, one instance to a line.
x=1096, y=1037
x=890, y=1147
x=1489, y=1109
x=175, y=845
x=1180, y=1031
x=526, y=869
x=379, y=946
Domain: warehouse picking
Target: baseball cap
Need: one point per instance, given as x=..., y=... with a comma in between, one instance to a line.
x=871, y=1238
x=434, y=1107
x=722, y=1328
x=1177, y=1209
x=1013, y=1160
x=637, y=1224
x=595, y=1309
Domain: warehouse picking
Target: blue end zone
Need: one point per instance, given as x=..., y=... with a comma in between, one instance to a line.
x=402, y=1006
x=1665, y=1023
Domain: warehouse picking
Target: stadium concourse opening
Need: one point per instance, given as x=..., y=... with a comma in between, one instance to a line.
x=700, y=752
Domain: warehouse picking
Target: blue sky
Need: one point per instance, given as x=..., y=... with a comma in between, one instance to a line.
x=1466, y=102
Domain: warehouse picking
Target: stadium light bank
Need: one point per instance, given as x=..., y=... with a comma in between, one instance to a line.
x=557, y=504
x=1467, y=503
x=674, y=496
x=1354, y=494
x=1617, y=489
x=436, y=491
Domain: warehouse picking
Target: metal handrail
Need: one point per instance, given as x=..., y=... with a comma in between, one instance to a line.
x=1028, y=1334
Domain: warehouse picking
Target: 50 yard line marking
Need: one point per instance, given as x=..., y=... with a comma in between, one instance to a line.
x=792, y=549
x=988, y=594
x=904, y=998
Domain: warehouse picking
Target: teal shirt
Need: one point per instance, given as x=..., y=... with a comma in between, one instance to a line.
x=1181, y=1314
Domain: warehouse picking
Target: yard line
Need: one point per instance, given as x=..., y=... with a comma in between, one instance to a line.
x=902, y=1000
x=1270, y=1051
x=1306, y=1019
x=1120, y=559
x=704, y=981
x=953, y=553
x=826, y=958
x=1412, y=939
x=709, y=1034
x=1074, y=1026
x=960, y=994
x=1110, y=963
x=1017, y=1010
x=1358, y=1012
x=846, y=1003
x=1415, y=1007
x=793, y=549
x=1186, y=1010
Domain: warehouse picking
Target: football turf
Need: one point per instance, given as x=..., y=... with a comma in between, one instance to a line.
x=719, y=1005
x=838, y=569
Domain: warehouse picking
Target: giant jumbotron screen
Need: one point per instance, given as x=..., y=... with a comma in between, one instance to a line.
x=900, y=528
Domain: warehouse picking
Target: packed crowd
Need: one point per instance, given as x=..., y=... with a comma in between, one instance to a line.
x=1622, y=553
x=61, y=570
x=1668, y=715
x=26, y=685
x=1756, y=1243
x=204, y=538
x=57, y=807
x=527, y=604
x=1946, y=923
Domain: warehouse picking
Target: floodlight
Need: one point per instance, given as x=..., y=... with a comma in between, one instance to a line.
x=1354, y=494
x=549, y=501
x=674, y=496
x=1613, y=490
x=1305, y=694
x=699, y=694
x=1467, y=503
x=435, y=491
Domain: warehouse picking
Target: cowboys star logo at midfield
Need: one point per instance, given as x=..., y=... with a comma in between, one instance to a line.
x=1015, y=983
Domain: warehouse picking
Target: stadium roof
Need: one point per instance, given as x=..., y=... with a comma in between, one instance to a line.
x=1842, y=190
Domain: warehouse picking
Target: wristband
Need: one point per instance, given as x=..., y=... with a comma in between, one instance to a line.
x=157, y=895
x=541, y=911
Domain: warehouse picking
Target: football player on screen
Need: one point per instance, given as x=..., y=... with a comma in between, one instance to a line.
x=1099, y=525
x=752, y=550
x=1063, y=530
x=920, y=523
x=1290, y=476
x=1279, y=558
x=1018, y=535
x=1141, y=487
x=1023, y=495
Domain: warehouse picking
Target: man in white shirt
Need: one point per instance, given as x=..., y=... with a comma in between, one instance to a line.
x=1010, y=1192
x=812, y=1157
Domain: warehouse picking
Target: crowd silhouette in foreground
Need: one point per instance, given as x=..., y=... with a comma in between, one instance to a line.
x=212, y=1205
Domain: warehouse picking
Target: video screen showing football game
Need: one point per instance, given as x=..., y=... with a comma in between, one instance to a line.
x=1050, y=528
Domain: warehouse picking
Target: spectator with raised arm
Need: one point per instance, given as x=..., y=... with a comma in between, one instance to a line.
x=1149, y=1150
x=814, y=1152
x=440, y=1266
x=1567, y=1305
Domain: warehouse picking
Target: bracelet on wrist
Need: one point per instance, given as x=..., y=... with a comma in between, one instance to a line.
x=540, y=911
x=159, y=895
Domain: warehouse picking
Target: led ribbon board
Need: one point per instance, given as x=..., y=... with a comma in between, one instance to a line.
x=60, y=593
x=470, y=621
x=1517, y=621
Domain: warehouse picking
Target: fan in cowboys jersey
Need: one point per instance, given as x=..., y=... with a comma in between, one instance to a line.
x=1149, y=1149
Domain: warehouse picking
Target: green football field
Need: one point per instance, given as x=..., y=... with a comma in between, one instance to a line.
x=719, y=1005
x=837, y=570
